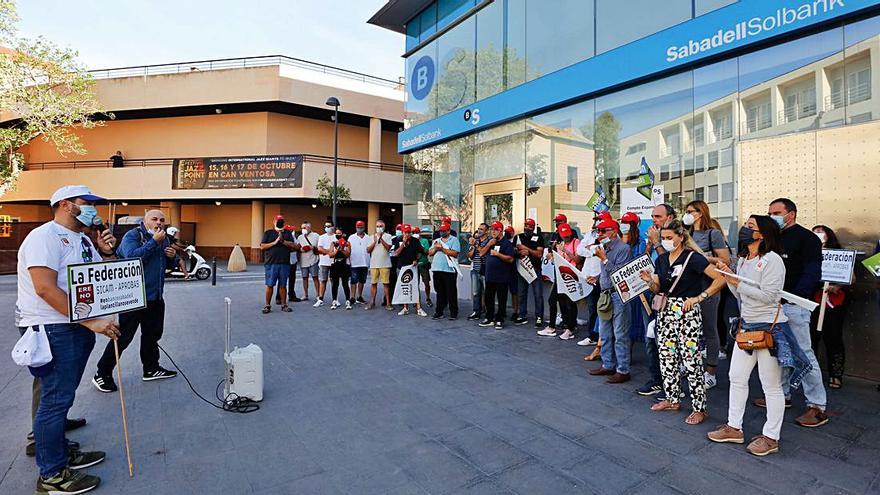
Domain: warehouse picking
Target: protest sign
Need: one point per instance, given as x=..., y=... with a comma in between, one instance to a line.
x=407, y=290
x=873, y=264
x=569, y=280
x=526, y=270
x=837, y=265
x=105, y=288
x=628, y=281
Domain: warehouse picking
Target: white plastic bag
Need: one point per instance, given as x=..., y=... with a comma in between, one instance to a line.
x=32, y=349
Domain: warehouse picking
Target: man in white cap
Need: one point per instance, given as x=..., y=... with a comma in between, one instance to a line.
x=43, y=302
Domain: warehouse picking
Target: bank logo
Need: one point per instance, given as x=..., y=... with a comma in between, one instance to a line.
x=472, y=116
x=422, y=78
x=569, y=279
x=407, y=277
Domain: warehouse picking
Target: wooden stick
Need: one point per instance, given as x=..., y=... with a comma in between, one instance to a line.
x=647, y=306
x=124, y=416
x=822, y=308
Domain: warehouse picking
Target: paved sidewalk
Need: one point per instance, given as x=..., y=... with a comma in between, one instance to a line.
x=364, y=403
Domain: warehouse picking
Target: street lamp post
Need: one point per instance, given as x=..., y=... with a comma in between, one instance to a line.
x=334, y=102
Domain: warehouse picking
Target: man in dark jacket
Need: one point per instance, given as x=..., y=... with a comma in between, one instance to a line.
x=149, y=242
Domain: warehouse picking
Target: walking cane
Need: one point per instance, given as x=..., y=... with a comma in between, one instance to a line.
x=122, y=402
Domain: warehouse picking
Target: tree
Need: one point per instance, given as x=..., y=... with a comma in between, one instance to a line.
x=607, y=146
x=324, y=186
x=44, y=93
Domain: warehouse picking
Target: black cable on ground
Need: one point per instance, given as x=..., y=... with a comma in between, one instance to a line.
x=231, y=403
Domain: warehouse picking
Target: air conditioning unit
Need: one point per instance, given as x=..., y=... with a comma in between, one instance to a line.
x=244, y=366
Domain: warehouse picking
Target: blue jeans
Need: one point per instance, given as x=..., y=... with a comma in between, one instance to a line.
x=478, y=285
x=814, y=389
x=537, y=289
x=277, y=274
x=615, y=337
x=71, y=345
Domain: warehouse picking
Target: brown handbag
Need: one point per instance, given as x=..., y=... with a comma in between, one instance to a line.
x=757, y=339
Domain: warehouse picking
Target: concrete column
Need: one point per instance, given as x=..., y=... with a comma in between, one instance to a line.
x=372, y=216
x=173, y=208
x=375, y=152
x=258, y=224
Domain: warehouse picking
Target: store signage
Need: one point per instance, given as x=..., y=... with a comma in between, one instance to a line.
x=732, y=27
x=242, y=172
x=105, y=288
x=5, y=226
x=422, y=78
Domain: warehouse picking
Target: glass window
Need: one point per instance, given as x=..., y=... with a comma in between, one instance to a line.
x=699, y=163
x=700, y=194
x=490, y=50
x=619, y=23
x=704, y=6
x=713, y=194
x=851, y=86
x=413, y=29
x=559, y=34
x=727, y=191
x=428, y=21
x=572, y=179
x=421, y=95
x=450, y=10
x=515, y=44
x=456, y=85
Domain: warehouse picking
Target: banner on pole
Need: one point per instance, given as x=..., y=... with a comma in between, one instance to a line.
x=628, y=281
x=837, y=265
x=105, y=288
x=407, y=290
x=526, y=270
x=569, y=280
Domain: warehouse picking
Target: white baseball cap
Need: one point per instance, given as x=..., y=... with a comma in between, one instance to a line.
x=68, y=192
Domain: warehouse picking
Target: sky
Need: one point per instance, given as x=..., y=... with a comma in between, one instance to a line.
x=121, y=33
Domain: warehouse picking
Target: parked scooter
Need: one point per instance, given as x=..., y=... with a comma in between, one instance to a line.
x=196, y=266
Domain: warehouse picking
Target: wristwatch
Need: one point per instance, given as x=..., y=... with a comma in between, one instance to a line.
x=704, y=296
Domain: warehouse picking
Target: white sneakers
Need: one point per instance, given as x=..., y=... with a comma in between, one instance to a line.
x=318, y=303
x=711, y=381
x=566, y=335
x=335, y=304
x=404, y=311
x=421, y=312
x=347, y=304
x=547, y=332
x=587, y=341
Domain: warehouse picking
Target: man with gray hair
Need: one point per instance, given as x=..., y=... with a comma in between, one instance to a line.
x=148, y=241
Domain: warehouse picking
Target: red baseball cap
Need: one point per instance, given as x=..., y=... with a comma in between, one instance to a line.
x=443, y=227
x=564, y=230
x=560, y=218
x=608, y=224
x=360, y=223
x=279, y=217
x=497, y=226
x=509, y=229
x=603, y=216
x=399, y=227
x=407, y=228
x=530, y=222
x=630, y=217
x=446, y=220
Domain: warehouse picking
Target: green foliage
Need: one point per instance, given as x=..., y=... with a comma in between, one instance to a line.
x=607, y=146
x=324, y=186
x=46, y=92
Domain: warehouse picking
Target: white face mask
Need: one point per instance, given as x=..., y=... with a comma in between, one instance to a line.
x=329, y=230
x=624, y=228
x=668, y=244
x=688, y=219
x=380, y=230
x=823, y=237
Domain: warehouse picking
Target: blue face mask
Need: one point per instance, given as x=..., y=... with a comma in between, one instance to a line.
x=87, y=214
x=779, y=219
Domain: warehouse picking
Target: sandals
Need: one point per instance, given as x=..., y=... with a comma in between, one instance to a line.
x=597, y=352
x=267, y=309
x=835, y=383
x=285, y=308
x=666, y=406
x=696, y=417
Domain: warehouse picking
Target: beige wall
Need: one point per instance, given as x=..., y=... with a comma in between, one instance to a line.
x=27, y=213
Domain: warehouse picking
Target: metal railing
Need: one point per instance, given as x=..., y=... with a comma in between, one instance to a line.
x=152, y=162
x=797, y=112
x=240, y=63
x=722, y=133
x=855, y=94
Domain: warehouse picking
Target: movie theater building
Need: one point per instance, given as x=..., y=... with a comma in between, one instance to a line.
x=526, y=108
x=223, y=146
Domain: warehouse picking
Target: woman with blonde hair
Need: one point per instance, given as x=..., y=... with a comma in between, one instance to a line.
x=678, y=282
x=706, y=233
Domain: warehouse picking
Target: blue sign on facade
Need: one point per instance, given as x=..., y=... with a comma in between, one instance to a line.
x=422, y=78
x=735, y=26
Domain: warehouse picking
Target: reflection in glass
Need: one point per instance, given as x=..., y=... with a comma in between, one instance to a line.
x=490, y=50
x=420, y=110
x=852, y=83
x=705, y=6
x=559, y=34
x=456, y=85
x=619, y=23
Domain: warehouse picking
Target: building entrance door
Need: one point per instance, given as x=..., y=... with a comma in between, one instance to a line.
x=501, y=200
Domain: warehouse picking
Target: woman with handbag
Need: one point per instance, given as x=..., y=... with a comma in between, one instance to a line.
x=678, y=282
x=707, y=234
x=835, y=312
x=760, y=243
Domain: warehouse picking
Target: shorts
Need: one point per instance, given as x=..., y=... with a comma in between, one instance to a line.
x=309, y=271
x=380, y=275
x=323, y=273
x=277, y=274
x=358, y=274
x=425, y=273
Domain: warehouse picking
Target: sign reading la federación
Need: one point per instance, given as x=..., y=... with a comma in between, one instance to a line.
x=628, y=280
x=837, y=265
x=105, y=288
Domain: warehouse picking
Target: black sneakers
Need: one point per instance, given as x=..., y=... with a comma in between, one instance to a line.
x=77, y=459
x=498, y=325
x=539, y=322
x=486, y=323
x=68, y=482
x=473, y=316
x=158, y=374
x=520, y=321
x=104, y=383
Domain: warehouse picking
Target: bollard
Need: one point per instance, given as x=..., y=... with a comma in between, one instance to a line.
x=214, y=270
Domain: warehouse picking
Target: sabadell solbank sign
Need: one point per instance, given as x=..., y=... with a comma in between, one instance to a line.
x=752, y=27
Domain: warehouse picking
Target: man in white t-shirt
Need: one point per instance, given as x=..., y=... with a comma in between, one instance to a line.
x=325, y=241
x=380, y=264
x=308, y=257
x=43, y=302
x=360, y=260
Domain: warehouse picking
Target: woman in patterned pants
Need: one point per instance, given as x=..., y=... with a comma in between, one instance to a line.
x=679, y=274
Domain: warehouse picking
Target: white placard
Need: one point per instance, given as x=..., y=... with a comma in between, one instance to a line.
x=837, y=265
x=105, y=288
x=631, y=200
x=628, y=280
x=407, y=290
